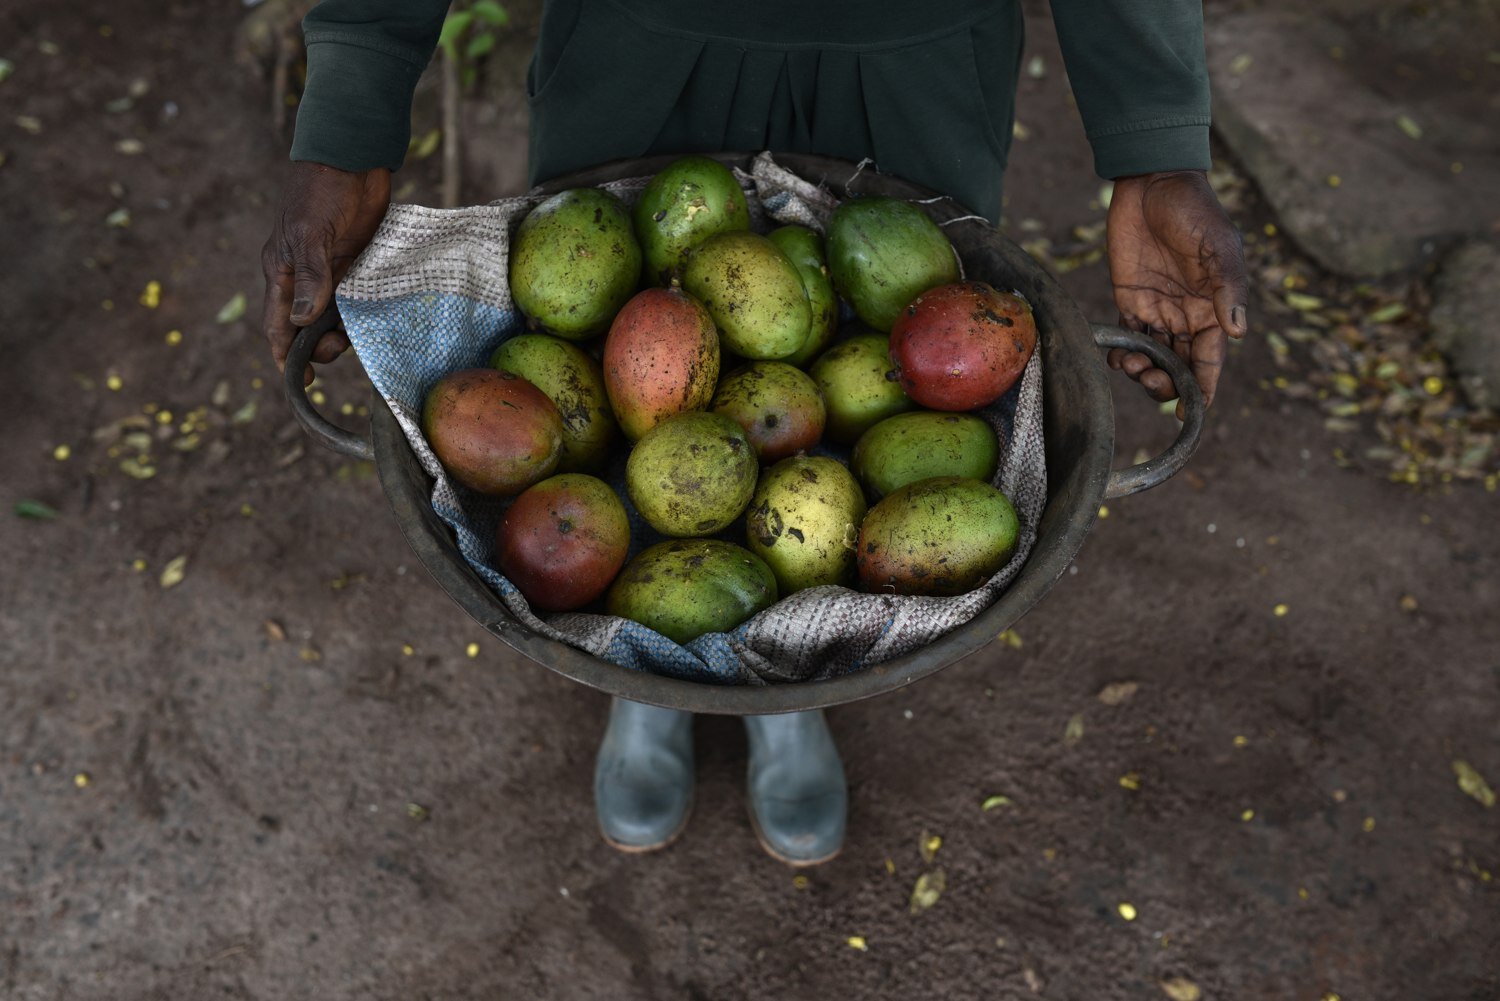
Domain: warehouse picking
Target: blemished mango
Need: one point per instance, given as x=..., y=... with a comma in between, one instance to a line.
x=883, y=253
x=962, y=346
x=563, y=541
x=575, y=383
x=661, y=358
x=573, y=263
x=804, y=248
x=753, y=292
x=493, y=431
x=779, y=407
x=684, y=204
x=920, y=445
x=688, y=587
x=692, y=474
x=859, y=387
x=804, y=522
x=942, y=536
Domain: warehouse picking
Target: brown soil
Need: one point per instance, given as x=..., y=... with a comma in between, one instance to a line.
x=284, y=777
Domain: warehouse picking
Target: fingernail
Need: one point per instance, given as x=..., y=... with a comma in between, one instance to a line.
x=1237, y=317
x=302, y=307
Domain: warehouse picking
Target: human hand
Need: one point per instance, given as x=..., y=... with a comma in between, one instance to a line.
x=1178, y=270
x=327, y=217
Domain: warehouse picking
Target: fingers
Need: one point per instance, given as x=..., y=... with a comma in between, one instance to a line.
x=276, y=307
x=312, y=279
x=299, y=285
x=1209, y=348
x=330, y=346
x=1225, y=262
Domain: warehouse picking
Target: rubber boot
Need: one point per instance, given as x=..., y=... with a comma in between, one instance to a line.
x=798, y=797
x=643, y=778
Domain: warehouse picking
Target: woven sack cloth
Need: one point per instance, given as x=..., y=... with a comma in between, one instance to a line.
x=430, y=295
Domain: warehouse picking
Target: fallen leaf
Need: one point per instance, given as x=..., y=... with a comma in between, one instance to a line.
x=1472, y=783
x=233, y=309
x=1240, y=63
x=926, y=891
x=1181, y=989
x=130, y=147
x=6, y=69
x=929, y=845
x=418, y=812
x=118, y=219
x=35, y=510
x=1389, y=313
x=174, y=571
x=427, y=144
x=275, y=631
x=1302, y=302
x=994, y=801
x=1409, y=126
x=245, y=414
x=858, y=942
x=1073, y=733
x=1116, y=692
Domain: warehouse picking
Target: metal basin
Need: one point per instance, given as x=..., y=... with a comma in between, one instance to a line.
x=1079, y=429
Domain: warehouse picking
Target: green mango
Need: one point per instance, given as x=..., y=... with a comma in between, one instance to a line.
x=573, y=381
x=804, y=522
x=942, y=536
x=923, y=444
x=573, y=263
x=692, y=474
x=753, y=293
x=859, y=387
x=883, y=253
x=690, y=200
x=804, y=248
x=688, y=587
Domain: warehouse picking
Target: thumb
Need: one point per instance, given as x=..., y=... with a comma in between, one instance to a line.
x=312, y=282
x=1231, y=285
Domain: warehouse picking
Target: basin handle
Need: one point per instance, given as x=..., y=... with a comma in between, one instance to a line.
x=1156, y=471
x=320, y=430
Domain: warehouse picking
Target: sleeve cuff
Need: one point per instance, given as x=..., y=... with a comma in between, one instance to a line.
x=356, y=108
x=1151, y=149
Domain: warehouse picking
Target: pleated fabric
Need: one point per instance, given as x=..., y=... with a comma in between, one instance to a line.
x=611, y=80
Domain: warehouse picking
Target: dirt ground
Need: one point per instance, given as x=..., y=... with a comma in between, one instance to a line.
x=284, y=777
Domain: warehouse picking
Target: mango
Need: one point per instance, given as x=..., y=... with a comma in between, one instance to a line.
x=575, y=383
x=923, y=444
x=804, y=522
x=688, y=587
x=661, y=358
x=779, y=407
x=692, y=474
x=494, y=432
x=962, y=346
x=753, y=293
x=573, y=263
x=859, y=387
x=942, y=536
x=690, y=200
x=804, y=248
x=883, y=253
x=563, y=541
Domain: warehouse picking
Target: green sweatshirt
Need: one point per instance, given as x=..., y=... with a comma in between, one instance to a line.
x=926, y=90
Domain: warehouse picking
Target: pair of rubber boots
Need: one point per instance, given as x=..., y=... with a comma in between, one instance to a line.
x=643, y=782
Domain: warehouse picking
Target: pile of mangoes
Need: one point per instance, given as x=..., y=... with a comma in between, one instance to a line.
x=681, y=289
